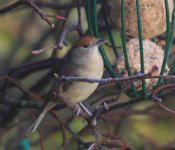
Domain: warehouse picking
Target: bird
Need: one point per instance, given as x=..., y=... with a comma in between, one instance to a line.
x=83, y=60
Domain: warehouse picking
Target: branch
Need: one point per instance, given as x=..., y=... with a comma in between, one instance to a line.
x=19, y=104
x=26, y=104
x=35, y=7
x=42, y=14
x=158, y=100
x=60, y=42
x=12, y=6
x=16, y=4
x=61, y=34
x=73, y=107
x=112, y=80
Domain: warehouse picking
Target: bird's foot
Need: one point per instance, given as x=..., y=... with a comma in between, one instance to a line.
x=79, y=108
x=85, y=109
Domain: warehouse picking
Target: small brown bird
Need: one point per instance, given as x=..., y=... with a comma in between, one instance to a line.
x=83, y=60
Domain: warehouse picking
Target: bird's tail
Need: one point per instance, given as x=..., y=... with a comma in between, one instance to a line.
x=35, y=125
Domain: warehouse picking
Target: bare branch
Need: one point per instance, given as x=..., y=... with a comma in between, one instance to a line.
x=158, y=100
x=12, y=6
x=56, y=6
x=42, y=14
x=112, y=80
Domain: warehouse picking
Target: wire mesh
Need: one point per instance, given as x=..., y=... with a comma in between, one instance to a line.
x=91, y=11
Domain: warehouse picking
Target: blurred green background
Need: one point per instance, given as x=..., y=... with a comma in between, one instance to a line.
x=141, y=126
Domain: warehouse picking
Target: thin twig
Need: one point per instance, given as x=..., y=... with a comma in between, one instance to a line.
x=22, y=88
x=158, y=100
x=61, y=125
x=35, y=7
x=61, y=35
x=36, y=52
x=43, y=15
x=60, y=44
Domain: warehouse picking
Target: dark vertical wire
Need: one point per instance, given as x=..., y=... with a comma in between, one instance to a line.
x=168, y=42
x=88, y=14
x=124, y=45
x=139, y=24
x=96, y=33
x=109, y=30
x=172, y=69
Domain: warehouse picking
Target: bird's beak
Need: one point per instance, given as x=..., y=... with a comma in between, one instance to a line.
x=100, y=41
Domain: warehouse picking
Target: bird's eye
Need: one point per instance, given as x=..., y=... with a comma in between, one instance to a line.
x=85, y=46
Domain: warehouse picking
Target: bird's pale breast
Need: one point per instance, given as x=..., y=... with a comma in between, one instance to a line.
x=91, y=67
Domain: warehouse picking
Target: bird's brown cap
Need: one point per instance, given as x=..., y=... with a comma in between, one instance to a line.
x=86, y=40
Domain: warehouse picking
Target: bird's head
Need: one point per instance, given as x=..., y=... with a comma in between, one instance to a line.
x=88, y=43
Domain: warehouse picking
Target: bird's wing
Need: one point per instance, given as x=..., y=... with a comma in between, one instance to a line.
x=68, y=69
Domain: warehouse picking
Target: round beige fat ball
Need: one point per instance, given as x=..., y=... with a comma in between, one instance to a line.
x=153, y=57
x=153, y=16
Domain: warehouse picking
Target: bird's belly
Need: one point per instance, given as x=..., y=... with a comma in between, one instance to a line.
x=79, y=91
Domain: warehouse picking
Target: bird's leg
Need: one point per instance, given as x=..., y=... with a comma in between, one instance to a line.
x=85, y=109
x=77, y=109
x=80, y=107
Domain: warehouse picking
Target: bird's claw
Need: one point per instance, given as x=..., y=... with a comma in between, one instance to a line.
x=85, y=109
x=77, y=110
